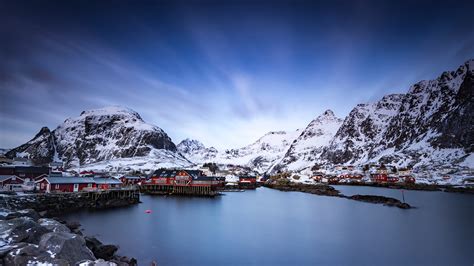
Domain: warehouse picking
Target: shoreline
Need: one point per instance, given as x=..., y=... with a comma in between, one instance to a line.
x=31, y=238
x=327, y=190
x=32, y=232
x=419, y=187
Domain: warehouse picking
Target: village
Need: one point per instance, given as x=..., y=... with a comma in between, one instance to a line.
x=53, y=179
x=207, y=180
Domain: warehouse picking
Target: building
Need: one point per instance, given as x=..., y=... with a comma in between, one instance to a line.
x=24, y=172
x=64, y=184
x=106, y=183
x=191, y=182
x=249, y=182
x=11, y=183
x=132, y=180
x=409, y=179
x=392, y=179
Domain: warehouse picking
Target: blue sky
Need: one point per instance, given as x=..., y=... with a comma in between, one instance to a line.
x=222, y=72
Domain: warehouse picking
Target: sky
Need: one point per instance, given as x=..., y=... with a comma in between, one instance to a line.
x=222, y=72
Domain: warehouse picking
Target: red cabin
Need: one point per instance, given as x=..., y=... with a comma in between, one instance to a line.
x=409, y=179
x=247, y=181
x=106, y=183
x=64, y=184
x=392, y=179
x=379, y=178
x=10, y=182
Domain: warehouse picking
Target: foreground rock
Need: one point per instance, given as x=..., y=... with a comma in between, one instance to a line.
x=325, y=190
x=27, y=239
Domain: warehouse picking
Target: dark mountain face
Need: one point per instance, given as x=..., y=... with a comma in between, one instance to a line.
x=40, y=149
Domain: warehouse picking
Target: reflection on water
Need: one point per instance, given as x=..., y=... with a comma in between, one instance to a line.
x=270, y=227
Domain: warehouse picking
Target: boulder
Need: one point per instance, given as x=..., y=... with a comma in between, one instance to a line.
x=73, y=225
x=105, y=252
x=99, y=262
x=53, y=225
x=31, y=254
x=7, y=215
x=22, y=229
x=92, y=243
x=66, y=246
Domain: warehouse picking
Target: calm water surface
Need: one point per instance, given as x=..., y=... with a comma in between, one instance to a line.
x=269, y=227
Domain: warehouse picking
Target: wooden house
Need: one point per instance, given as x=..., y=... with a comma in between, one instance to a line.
x=64, y=184
x=106, y=183
x=249, y=182
x=10, y=183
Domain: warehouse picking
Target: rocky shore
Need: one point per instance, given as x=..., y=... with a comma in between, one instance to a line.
x=56, y=204
x=424, y=187
x=325, y=190
x=28, y=238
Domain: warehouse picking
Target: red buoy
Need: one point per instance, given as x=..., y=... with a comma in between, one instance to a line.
x=148, y=211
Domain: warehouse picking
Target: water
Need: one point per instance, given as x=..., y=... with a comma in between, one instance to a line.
x=269, y=227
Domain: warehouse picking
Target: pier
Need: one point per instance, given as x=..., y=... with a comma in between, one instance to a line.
x=179, y=190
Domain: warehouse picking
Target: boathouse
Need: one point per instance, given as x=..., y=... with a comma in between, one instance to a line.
x=10, y=182
x=64, y=184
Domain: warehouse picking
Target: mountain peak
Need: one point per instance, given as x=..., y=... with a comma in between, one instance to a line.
x=43, y=131
x=328, y=113
x=111, y=110
x=187, y=145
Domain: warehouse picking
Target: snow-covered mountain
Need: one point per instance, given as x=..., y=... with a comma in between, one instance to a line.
x=261, y=154
x=308, y=146
x=39, y=150
x=196, y=152
x=101, y=136
x=431, y=125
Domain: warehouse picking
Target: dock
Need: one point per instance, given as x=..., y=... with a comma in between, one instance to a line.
x=173, y=189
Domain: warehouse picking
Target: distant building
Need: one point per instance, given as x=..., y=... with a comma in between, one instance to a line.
x=10, y=182
x=247, y=182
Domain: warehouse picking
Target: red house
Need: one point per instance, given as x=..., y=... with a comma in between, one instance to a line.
x=409, y=179
x=106, y=183
x=131, y=180
x=10, y=182
x=64, y=184
x=392, y=179
x=248, y=182
x=379, y=178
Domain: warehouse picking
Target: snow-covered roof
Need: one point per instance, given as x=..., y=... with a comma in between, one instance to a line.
x=102, y=180
x=7, y=177
x=68, y=180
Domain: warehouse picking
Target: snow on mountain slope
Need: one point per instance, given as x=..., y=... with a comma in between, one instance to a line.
x=261, y=154
x=101, y=135
x=157, y=158
x=308, y=146
x=196, y=152
x=361, y=133
x=430, y=126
